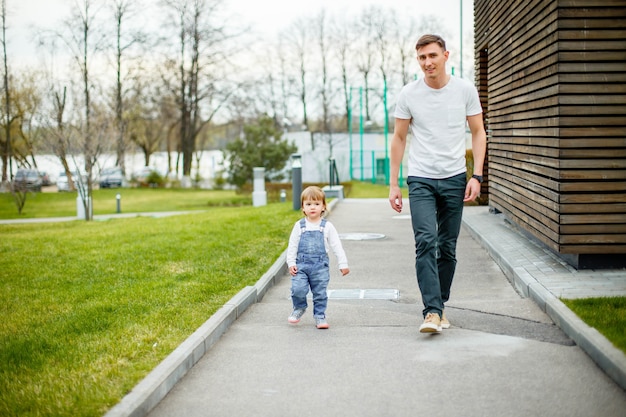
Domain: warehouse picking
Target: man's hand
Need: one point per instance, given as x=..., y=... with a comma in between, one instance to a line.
x=395, y=198
x=472, y=190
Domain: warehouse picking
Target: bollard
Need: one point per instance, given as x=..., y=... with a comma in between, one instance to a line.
x=118, y=198
x=283, y=196
x=296, y=179
x=259, y=195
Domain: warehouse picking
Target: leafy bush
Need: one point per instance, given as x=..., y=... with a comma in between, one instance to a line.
x=154, y=179
x=262, y=146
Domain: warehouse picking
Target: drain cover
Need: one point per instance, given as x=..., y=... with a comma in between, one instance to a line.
x=361, y=236
x=364, y=294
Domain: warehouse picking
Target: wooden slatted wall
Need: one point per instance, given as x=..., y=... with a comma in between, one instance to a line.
x=556, y=118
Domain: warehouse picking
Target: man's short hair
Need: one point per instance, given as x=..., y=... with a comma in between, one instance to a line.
x=428, y=39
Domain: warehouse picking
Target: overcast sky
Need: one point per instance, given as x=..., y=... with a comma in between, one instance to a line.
x=265, y=16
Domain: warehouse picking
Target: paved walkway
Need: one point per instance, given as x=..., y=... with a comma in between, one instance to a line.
x=502, y=356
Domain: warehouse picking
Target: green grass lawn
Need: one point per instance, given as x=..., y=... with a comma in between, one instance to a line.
x=369, y=190
x=605, y=314
x=40, y=205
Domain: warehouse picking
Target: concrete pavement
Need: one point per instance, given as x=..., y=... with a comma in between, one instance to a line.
x=502, y=356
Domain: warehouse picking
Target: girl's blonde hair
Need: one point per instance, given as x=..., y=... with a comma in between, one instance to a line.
x=313, y=193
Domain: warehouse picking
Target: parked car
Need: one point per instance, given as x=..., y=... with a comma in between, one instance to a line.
x=27, y=180
x=112, y=177
x=63, y=183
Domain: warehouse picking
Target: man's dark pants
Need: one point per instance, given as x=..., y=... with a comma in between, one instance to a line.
x=436, y=215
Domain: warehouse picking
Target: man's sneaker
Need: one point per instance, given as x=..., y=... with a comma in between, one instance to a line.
x=432, y=324
x=321, y=323
x=445, y=324
x=296, y=315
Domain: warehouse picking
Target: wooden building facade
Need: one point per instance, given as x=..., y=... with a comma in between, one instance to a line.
x=552, y=78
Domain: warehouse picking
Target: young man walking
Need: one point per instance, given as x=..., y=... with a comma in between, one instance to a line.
x=436, y=109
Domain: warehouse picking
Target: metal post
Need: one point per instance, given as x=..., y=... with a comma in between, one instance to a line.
x=296, y=179
x=118, y=198
x=386, y=133
x=361, y=126
x=350, y=128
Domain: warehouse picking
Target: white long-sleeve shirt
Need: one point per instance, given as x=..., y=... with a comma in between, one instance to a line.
x=331, y=241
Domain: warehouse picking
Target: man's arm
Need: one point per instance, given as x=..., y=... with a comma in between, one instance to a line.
x=398, y=145
x=479, y=150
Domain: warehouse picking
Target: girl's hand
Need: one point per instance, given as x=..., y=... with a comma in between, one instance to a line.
x=345, y=271
x=293, y=270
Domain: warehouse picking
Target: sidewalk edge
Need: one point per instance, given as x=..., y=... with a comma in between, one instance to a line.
x=610, y=359
x=158, y=383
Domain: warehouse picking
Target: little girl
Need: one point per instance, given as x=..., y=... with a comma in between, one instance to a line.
x=307, y=257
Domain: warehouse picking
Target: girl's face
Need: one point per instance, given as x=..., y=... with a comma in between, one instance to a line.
x=313, y=209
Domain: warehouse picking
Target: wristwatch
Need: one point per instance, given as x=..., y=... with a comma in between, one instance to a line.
x=479, y=178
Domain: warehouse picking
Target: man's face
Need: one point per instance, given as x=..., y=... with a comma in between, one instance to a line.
x=432, y=59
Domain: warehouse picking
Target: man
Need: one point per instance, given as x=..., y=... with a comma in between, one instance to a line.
x=436, y=109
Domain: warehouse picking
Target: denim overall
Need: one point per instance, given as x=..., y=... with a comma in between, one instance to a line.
x=313, y=270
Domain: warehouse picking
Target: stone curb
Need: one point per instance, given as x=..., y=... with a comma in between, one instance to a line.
x=610, y=359
x=599, y=348
x=156, y=385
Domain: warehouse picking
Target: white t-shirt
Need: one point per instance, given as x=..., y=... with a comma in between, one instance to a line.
x=437, y=148
x=331, y=240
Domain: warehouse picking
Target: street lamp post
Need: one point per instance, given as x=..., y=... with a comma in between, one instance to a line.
x=296, y=180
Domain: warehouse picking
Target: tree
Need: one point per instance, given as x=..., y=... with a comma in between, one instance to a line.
x=6, y=154
x=327, y=91
x=366, y=53
x=202, y=68
x=343, y=40
x=382, y=27
x=123, y=10
x=323, y=43
x=146, y=115
x=59, y=134
x=297, y=38
x=26, y=101
x=261, y=146
x=81, y=30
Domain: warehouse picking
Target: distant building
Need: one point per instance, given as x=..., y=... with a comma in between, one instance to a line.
x=367, y=162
